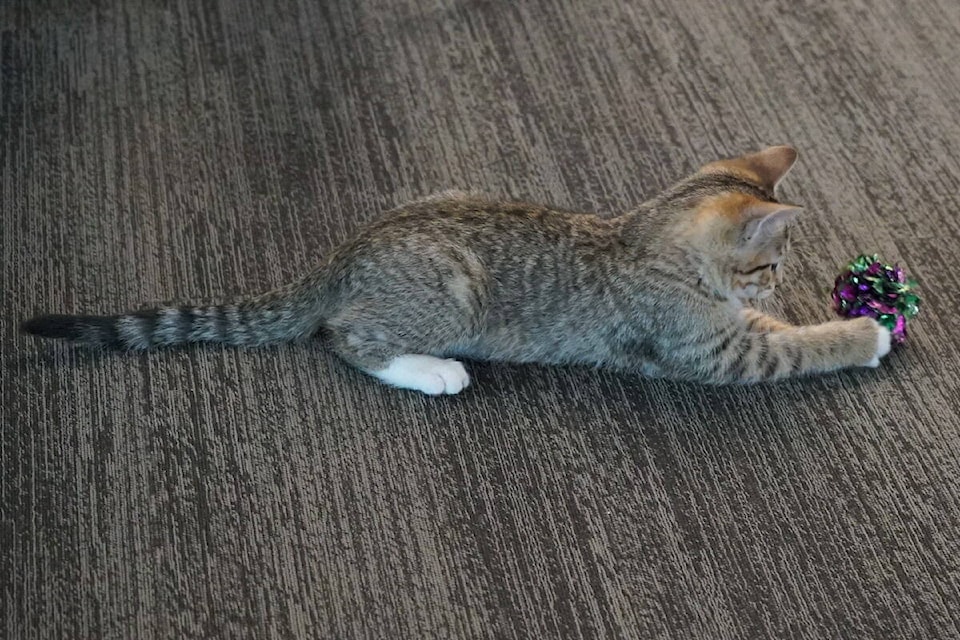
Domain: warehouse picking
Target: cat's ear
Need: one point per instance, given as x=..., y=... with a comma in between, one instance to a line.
x=768, y=167
x=765, y=220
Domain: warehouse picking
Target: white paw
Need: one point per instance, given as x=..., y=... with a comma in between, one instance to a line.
x=427, y=374
x=883, y=346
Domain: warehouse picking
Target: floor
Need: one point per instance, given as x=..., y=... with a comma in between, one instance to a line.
x=163, y=149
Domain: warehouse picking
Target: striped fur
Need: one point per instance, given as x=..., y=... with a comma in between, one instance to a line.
x=664, y=290
x=281, y=316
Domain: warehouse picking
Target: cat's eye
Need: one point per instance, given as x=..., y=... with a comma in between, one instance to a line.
x=763, y=267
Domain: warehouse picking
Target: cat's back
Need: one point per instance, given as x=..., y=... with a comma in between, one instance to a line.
x=476, y=216
x=467, y=207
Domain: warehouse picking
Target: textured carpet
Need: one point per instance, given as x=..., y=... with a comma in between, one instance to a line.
x=163, y=150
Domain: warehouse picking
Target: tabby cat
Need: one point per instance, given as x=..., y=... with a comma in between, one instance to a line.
x=663, y=290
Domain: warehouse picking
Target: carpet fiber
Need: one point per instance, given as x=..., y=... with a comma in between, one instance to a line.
x=164, y=150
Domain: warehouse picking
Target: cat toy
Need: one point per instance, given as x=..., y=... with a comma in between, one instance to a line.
x=869, y=287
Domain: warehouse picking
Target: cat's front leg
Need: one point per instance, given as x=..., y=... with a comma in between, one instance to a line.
x=755, y=356
x=761, y=322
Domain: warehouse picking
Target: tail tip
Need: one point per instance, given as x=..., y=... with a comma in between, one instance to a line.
x=51, y=326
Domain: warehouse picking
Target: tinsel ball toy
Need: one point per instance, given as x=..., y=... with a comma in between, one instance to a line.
x=869, y=287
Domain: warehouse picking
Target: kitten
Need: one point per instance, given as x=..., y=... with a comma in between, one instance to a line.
x=661, y=290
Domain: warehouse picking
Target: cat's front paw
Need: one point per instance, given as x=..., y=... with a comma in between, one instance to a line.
x=883, y=344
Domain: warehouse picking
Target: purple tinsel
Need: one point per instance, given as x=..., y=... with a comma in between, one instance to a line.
x=868, y=287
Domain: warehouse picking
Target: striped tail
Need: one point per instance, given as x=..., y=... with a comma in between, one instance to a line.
x=250, y=323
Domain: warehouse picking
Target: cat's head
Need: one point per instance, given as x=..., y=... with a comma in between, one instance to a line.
x=743, y=231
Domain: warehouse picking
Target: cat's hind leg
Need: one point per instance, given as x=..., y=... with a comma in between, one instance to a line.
x=398, y=322
x=393, y=364
x=428, y=374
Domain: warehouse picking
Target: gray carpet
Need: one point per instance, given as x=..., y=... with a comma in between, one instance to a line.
x=158, y=150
